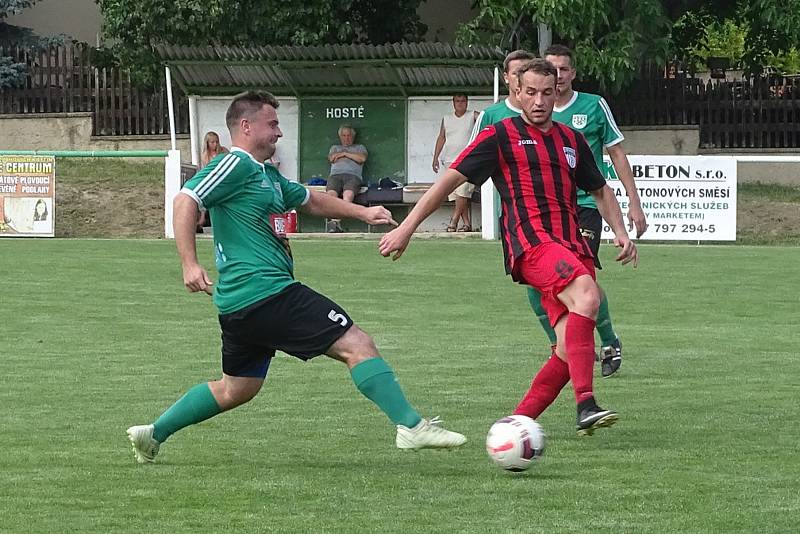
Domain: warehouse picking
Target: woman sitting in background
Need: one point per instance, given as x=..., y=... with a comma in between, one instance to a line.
x=211, y=149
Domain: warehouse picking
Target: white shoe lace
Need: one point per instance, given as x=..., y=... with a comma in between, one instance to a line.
x=436, y=421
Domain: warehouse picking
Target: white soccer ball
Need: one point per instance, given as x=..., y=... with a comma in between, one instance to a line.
x=515, y=442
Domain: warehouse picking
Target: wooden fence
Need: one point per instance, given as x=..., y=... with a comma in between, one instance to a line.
x=61, y=80
x=757, y=113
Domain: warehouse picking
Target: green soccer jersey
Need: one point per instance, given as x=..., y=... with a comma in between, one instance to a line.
x=494, y=114
x=240, y=193
x=590, y=115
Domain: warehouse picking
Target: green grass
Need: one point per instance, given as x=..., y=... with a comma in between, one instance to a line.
x=771, y=192
x=105, y=172
x=99, y=335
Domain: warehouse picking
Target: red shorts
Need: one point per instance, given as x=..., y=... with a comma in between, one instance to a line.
x=549, y=268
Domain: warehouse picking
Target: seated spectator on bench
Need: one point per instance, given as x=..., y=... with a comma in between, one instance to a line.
x=347, y=164
x=211, y=148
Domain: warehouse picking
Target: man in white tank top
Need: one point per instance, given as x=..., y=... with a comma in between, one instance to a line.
x=454, y=134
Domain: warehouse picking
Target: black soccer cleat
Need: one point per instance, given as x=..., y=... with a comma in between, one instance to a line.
x=592, y=417
x=611, y=358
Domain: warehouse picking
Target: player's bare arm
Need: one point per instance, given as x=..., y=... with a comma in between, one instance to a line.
x=440, y=141
x=184, y=218
x=609, y=208
x=397, y=240
x=323, y=205
x=636, y=216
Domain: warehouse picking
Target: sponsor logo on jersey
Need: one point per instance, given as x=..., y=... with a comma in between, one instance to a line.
x=579, y=120
x=564, y=270
x=569, y=152
x=526, y=142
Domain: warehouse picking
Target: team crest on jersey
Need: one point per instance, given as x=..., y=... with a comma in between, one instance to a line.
x=569, y=152
x=579, y=121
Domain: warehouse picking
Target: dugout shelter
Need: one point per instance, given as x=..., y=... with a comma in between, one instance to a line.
x=394, y=95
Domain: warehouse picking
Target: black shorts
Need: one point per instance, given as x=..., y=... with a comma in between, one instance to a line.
x=298, y=321
x=591, y=228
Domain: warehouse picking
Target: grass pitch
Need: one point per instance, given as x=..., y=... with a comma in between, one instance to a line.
x=99, y=335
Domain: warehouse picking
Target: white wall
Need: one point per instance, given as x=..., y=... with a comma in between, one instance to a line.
x=211, y=116
x=424, y=118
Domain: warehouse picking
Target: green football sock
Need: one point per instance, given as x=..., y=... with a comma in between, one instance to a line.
x=536, y=304
x=197, y=405
x=376, y=381
x=604, y=326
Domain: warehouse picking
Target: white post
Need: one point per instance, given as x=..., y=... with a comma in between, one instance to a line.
x=545, y=38
x=489, y=230
x=496, y=93
x=193, y=130
x=172, y=185
x=171, y=108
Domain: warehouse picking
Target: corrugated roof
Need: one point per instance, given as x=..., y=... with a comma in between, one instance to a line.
x=393, y=69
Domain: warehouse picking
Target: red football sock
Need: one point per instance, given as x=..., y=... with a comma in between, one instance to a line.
x=546, y=386
x=579, y=338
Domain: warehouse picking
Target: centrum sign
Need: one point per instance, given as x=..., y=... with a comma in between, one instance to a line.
x=690, y=198
x=27, y=195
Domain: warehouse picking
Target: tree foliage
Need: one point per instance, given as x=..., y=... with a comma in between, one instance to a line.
x=12, y=74
x=135, y=26
x=752, y=33
x=725, y=39
x=611, y=38
x=14, y=7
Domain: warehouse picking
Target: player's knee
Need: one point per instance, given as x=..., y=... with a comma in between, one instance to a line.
x=589, y=303
x=242, y=396
x=585, y=297
x=230, y=395
x=357, y=346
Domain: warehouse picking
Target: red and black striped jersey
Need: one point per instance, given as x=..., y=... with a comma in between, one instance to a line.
x=537, y=174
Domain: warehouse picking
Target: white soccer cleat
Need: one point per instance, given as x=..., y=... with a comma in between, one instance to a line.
x=145, y=448
x=428, y=435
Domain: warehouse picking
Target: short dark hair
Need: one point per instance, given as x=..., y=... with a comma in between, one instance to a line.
x=516, y=54
x=247, y=104
x=561, y=50
x=538, y=66
x=460, y=94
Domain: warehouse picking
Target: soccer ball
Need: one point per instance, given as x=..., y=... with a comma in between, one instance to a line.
x=515, y=442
